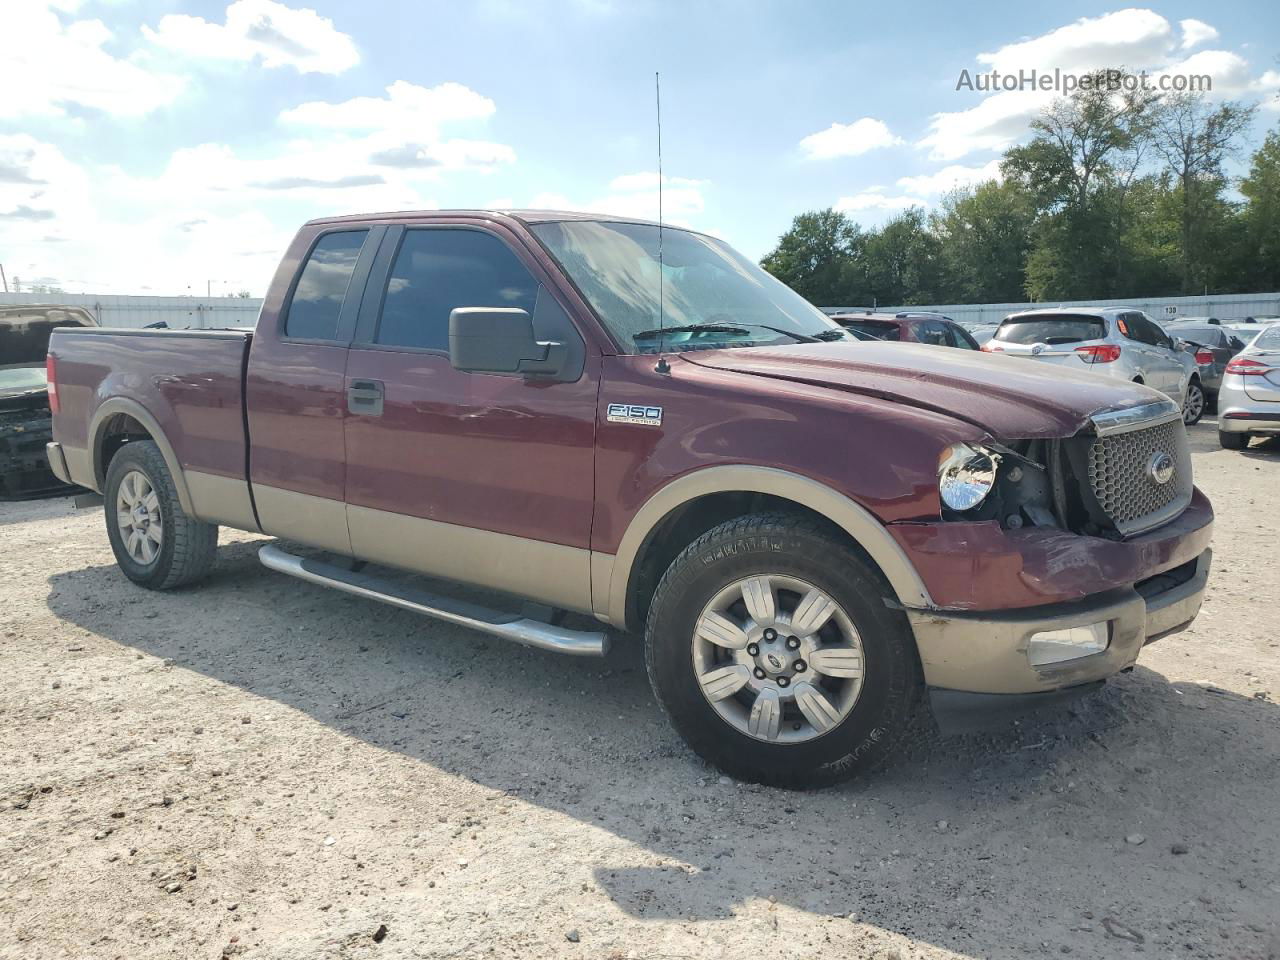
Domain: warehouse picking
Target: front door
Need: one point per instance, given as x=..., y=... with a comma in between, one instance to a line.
x=478, y=477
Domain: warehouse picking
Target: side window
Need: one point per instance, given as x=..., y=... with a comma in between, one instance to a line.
x=960, y=337
x=313, y=309
x=1130, y=324
x=932, y=331
x=440, y=269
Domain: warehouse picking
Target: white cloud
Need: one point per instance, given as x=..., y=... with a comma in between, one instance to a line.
x=1131, y=38
x=1268, y=86
x=874, y=198
x=49, y=65
x=278, y=35
x=950, y=178
x=1196, y=32
x=849, y=139
x=407, y=108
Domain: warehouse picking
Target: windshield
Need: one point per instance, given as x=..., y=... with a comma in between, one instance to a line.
x=1051, y=328
x=22, y=379
x=703, y=281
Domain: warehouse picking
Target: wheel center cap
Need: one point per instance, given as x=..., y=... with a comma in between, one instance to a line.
x=775, y=662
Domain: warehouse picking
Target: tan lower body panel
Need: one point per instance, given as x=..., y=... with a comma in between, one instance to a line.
x=80, y=467
x=315, y=521
x=547, y=572
x=225, y=500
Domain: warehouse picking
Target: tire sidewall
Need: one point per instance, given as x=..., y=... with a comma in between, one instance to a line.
x=135, y=456
x=889, y=679
x=1196, y=385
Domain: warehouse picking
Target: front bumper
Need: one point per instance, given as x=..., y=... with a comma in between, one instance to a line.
x=987, y=652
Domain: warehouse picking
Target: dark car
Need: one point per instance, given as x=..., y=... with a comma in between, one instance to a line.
x=1213, y=347
x=930, y=328
x=25, y=421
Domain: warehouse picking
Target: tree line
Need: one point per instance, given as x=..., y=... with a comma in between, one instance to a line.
x=1119, y=193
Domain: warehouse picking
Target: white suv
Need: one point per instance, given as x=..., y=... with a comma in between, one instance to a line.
x=1113, y=341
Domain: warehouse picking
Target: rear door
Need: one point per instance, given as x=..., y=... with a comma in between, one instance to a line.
x=294, y=390
x=1165, y=369
x=485, y=478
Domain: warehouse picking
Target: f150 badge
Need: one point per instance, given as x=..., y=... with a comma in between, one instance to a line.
x=632, y=413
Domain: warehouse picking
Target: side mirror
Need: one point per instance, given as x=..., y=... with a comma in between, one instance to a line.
x=497, y=340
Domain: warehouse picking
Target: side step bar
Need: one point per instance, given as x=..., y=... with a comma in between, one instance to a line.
x=509, y=626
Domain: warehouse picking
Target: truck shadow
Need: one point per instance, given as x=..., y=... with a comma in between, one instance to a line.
x=1033, y=819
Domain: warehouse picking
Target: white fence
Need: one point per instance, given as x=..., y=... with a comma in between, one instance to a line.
x=180, y=313
x=1228, y=307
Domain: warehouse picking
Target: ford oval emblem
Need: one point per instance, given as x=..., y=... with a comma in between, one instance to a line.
x=1160, y=468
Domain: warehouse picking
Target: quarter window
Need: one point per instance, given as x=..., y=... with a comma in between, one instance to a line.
x=317, y=299
x=439, y=270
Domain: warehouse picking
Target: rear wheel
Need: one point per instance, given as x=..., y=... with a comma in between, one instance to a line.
x=771, y=648
x=156, y=543
x=1233, y=441
x=1193, y=403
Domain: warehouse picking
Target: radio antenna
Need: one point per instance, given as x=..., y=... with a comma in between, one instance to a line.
x=662, y=365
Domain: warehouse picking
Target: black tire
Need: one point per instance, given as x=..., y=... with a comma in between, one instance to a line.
x=1233, y=441
x=1192, y=412
x=794, y=546
x=188, y=546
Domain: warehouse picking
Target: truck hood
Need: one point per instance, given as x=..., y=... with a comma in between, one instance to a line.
x=1010, y=399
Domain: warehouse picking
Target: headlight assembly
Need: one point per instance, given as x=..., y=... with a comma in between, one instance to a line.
x=966, y=475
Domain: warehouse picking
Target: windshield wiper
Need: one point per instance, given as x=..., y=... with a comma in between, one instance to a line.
x=722, y=328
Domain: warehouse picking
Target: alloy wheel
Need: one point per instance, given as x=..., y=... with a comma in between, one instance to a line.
x=778, y=659
x=138, y=517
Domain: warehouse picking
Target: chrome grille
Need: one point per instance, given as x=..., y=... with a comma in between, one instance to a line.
x=1120, y=473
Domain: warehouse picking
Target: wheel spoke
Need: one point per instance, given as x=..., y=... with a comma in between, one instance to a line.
x=133, y=546
x=757, y=594
x=724, y=682
x=154, y=533
x=126, y=489
x=124, y=519
x=837, y=662
x=815, y=706
x=815, y=609
x=151, y=502
x=766, y=716
x=718, y=629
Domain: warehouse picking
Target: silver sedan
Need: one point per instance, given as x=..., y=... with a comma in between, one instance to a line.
x=1249, y=400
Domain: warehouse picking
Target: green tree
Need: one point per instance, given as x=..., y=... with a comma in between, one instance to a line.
x=1261, y=218
x=1194, y=138
x=984, y=235
x=903, y=264
x=813, y=257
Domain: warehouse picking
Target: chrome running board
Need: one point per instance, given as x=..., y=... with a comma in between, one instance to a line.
x=509, y=626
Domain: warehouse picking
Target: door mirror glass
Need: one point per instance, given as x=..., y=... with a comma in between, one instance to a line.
x=496, y=340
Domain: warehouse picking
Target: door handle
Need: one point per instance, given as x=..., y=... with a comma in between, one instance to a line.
x=364, y=398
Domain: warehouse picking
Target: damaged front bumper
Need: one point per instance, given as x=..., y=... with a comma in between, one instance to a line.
x=981, y=666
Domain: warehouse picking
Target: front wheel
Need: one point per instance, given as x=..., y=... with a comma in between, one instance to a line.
x=1193, y=403
x=156, y=543
x=771, y=648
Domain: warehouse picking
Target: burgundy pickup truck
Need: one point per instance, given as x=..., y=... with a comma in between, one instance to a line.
x=600, y=416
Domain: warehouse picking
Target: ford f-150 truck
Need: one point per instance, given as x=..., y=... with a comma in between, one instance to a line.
x=603, y=416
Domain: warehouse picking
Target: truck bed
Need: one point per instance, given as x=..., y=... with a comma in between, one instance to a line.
x=190, y=382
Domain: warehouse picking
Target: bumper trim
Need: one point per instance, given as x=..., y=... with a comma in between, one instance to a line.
x=57, y=461
x=959, y=712
x=986, y=652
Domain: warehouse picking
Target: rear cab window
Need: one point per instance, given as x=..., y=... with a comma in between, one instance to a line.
x=316, y=302
x=1052, y=328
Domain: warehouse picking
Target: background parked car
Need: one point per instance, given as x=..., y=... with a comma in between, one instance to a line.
x=1113, y=341
x=930, y=328
x=25, y=420
x=1211, y=346
x=1249, y=401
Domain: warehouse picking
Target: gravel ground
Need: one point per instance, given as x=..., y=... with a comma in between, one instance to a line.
x=257, y=766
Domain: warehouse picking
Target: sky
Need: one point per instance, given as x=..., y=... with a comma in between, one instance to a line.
x=157, y=147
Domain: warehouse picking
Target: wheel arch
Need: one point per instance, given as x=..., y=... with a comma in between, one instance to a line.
x=690, y=505
x=123, y=418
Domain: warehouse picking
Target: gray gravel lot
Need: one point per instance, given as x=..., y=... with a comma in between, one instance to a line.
x=261, y=767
